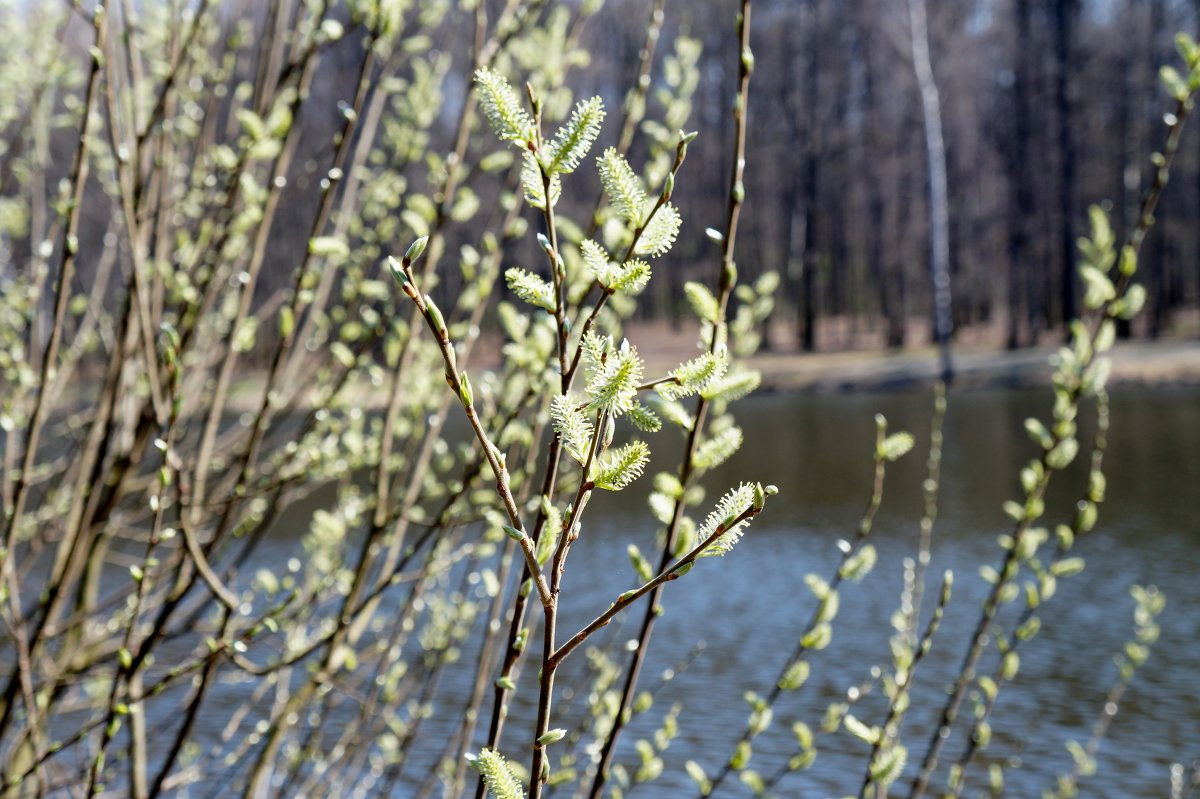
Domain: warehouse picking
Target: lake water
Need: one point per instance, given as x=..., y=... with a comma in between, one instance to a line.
x=749, y=607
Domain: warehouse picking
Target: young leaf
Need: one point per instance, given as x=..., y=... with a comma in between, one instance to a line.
x=889, y=765
x=718, y=448
x=896, y=446
x=702, y=301
x=572, y=425
x=673, y=412
x=595, y=258
x=630, y=277
x=696, y=375
x=733, y=387
x=613, y=385
x=860, y=730
x=548, y=540
x=624, y=189
x=662, y=507
x=723, y=517
x=644, y=419
x=533, y=187
x=498, y=776
x=552, y=736
x=531, y=288
x=661, y=232
x=641, y=566
x=619, y=468
x=860, y=564
x=502, y=107
x=574, y=139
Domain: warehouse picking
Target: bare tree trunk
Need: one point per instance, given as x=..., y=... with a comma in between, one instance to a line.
x=808, y=323
x=1065, y=13
x=1022, y=210
x=939, y=209
x=1196, y=256
x=1159, y=273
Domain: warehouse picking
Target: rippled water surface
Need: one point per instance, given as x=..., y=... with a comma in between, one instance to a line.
x=748, y=609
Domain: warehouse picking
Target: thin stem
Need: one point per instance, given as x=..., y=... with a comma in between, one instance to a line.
x=629, y=597
x=1010, y=566
x=726, y=282
x=69, y=245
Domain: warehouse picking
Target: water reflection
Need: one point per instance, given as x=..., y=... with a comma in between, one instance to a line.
x=753, y=604
x=748, y=608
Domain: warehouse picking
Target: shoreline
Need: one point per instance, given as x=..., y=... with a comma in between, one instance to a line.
x=978, y=363
x=1161, y=364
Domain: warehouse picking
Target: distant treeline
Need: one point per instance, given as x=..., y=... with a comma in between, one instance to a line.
x=1049, y=106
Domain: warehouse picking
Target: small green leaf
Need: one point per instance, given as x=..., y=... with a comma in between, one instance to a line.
x=641, y=566
x=795, y=676
x=660, y=232
x=416, y=249
x=616, y=470
x=860, y=730
x=703, y=303
x=889, y=765
x=502, y=107
x=696, y=772
x=896, y=446
x=552, y=736
x=624, y=189
x=530, y=288
x=328, y=247
x=1067, y=567
x=1174, y=83
x=574, y=139
x=498, y=776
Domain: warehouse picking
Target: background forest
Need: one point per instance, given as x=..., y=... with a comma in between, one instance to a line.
x=1048, y=107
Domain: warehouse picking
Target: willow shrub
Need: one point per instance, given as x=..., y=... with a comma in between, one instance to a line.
x=180, y=376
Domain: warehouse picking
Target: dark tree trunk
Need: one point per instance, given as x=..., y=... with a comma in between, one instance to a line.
x=1196, y=253
x=882, y=262
x=1065, y=14
x=808, y=340
x=1131, y=122
x=1020, y=194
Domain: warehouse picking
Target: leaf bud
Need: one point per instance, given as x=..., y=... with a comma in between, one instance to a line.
x=397, y=270
x=760, y=497
x=464, y=390
x=552, y=736
x=435, y=317
x=415, y=249
x=748, y=60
